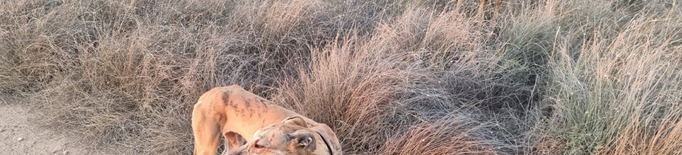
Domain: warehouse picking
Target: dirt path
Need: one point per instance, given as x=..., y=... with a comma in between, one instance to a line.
x=19, y=136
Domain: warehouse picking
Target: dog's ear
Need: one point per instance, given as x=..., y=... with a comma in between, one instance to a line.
x=303, y=140
x=295, y=120
x=328, y=135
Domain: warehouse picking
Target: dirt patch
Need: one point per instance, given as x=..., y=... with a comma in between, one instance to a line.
x=18, y=135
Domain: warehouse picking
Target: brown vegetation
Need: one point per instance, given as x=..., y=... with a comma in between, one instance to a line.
x=389, y=76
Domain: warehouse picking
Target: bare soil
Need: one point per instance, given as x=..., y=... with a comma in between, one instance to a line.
x=18, y=135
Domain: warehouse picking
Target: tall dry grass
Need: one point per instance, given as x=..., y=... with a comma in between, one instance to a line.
x=390, y=77
x=612, y=76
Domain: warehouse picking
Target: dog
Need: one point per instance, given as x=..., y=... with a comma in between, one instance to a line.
x=234, y=112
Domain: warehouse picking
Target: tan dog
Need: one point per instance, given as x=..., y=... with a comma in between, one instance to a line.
x=232, y=112
x=292, y=136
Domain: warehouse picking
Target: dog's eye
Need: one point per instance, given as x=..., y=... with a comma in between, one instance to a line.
x=258, y=144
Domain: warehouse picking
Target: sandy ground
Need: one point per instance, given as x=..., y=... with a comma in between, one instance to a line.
x=18, y=136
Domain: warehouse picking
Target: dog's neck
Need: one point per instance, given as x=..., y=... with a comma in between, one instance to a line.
x=331, y=152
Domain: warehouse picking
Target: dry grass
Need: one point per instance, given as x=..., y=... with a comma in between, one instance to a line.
x=613, y=81
x=390, y=77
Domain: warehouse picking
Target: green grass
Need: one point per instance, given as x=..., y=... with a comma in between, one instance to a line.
x=390, y=77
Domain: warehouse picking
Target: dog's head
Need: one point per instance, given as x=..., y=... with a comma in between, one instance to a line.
x=290, y=137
